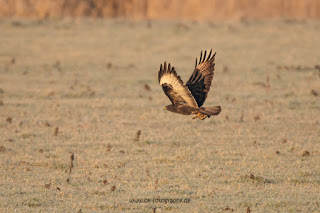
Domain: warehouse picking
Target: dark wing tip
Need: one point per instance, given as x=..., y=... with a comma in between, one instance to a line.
x=211, y=58
x=209, y=55
x=214, y=54
x=204, y=56
x=160, y=73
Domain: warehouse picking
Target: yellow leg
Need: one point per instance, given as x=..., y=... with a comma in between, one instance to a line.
x=195, y=113
x=199, y=115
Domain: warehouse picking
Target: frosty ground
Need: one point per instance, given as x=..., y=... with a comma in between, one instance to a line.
x=78, y=86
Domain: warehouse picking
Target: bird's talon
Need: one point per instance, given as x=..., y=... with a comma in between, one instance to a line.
x=202, y=116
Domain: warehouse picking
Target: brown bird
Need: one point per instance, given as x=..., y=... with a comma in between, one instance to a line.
x=188, y=99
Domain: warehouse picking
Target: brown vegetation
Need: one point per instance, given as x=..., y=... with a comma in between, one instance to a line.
x=154, y=9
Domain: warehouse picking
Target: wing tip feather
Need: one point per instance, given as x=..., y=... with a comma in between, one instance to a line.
x=200, y=57
x=203, y=57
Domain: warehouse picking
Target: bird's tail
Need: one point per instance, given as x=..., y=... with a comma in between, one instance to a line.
x=210, y=111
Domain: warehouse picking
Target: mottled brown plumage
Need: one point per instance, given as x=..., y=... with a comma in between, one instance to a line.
x=188, y=99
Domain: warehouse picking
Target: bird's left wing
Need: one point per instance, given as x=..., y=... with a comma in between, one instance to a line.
x=200, y=81
x=173, y=87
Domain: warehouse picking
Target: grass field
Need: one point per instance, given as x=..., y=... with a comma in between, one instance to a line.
x=78, y=86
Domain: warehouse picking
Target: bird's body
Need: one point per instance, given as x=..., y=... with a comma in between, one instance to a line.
x=188, y=99
x=182, y=109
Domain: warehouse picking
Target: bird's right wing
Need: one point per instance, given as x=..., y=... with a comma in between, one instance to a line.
x=173, y=87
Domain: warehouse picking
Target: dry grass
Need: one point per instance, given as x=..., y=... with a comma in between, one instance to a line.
x=78, y=86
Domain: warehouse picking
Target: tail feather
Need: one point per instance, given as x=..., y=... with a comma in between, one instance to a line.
x=210, y=111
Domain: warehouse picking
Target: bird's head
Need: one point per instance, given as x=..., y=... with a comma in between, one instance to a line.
x=170, y=108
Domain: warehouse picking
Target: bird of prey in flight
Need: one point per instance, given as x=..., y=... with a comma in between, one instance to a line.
x=188, y=99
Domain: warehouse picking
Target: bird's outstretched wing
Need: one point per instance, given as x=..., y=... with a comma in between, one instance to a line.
x=173, y=87
x=200, y=81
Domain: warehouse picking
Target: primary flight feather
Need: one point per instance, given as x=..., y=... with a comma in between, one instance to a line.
x=188, y=99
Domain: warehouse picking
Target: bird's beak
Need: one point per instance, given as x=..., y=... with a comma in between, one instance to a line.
x=165, y=108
